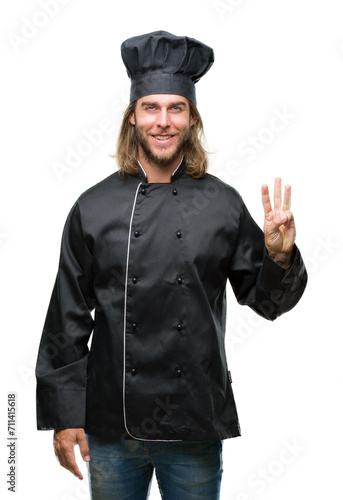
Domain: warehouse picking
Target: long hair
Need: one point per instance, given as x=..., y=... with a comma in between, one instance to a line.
x=196, y=162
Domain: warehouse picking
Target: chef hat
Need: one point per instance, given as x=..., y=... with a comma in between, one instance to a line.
x=162, y=63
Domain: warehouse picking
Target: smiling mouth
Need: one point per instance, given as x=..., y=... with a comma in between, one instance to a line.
x=163, y=137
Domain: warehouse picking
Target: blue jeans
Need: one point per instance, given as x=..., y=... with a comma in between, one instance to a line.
x=123, y=469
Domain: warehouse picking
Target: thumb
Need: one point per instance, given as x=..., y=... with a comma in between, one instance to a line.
x=83, y=444
x=275, y=219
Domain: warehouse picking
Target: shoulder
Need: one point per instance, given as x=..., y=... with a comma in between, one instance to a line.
x=107, y=190
x=212, y=183
x=221, y=184
x=99, y=190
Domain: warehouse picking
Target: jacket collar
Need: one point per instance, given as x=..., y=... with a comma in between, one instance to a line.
x=177, y=172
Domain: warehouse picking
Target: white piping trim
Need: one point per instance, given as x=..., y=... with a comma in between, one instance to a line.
x=124, y=333
x=143, y=170
x=177, y=166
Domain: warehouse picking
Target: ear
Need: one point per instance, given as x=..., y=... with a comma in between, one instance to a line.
x=192, y=120
x=132, y=119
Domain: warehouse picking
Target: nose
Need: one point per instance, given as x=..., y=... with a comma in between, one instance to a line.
x=163, y=119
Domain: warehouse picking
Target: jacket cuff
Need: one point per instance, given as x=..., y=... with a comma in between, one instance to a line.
x=61, y=409
x=274, y=276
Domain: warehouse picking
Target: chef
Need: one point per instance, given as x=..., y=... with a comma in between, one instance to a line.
x=146, y=255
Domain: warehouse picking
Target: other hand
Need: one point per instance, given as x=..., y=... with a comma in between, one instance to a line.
x=64, y=442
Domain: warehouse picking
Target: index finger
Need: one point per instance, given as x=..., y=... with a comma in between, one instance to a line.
x=70, y=463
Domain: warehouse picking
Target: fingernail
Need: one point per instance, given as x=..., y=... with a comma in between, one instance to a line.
x=87, y=458
x=284, y=218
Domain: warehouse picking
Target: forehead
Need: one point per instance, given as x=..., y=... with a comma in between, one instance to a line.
x=162, y=99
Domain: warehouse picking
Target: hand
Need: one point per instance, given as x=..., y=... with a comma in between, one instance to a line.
x=64, y=442
x=279, y=227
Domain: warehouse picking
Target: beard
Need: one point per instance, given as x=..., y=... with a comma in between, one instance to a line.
x=164, y=159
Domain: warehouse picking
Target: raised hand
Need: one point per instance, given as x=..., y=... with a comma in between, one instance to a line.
x=279, y=226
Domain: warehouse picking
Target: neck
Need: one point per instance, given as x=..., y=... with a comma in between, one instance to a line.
x=156, y=173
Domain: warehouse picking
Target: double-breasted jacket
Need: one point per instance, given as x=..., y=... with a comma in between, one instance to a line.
x=133, y=344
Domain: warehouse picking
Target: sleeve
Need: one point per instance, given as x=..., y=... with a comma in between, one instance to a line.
x=62, y=358
x=256, y=279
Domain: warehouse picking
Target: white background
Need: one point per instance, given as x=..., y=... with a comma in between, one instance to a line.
x=60, y=81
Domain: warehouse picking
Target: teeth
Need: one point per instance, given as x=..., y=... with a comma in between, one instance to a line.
x=162, y=137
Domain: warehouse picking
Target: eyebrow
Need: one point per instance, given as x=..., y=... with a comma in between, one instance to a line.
x=181, y=103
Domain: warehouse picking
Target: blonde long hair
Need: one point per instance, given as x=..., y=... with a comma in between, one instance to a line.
x=196, y=162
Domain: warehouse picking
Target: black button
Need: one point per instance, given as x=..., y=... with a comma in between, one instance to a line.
x=179, y=280
x=134, y=280
x=134, y=326
x=179, y=326
x=133, y=371
x=143, y=191
x=178, y=234
x=178, y=371
x=137, y=233
x=174, y=191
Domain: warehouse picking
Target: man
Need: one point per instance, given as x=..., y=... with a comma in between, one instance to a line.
x=150, y=249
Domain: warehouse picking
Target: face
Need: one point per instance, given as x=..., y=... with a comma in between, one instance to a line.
x=162, y=124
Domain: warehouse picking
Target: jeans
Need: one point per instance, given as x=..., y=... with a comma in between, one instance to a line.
x=123, y=469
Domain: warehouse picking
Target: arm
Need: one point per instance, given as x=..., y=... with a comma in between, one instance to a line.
x=266, y=271
x=61, y=367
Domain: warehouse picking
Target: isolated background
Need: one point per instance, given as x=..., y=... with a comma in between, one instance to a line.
x=67, y=79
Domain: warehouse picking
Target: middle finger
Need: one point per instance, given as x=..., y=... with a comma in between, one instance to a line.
x=277, y=194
